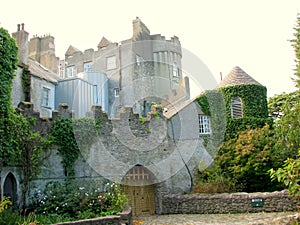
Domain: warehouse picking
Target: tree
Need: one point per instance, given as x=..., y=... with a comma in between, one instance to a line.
x=277, y=103
x=296, y=45
x=247, y=159
x=288, y=132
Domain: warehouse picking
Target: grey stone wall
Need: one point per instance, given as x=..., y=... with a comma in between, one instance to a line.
x=227, y=203
x=36, y=91
x=123, y=218
x=17, y=93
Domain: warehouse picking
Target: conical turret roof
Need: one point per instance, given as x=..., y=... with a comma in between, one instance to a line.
x=237, y=76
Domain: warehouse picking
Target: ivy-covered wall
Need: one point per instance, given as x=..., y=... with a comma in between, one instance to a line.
x=254, y=99
x=254, y=105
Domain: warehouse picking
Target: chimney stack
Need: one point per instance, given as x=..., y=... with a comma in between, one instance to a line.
x=21, y=37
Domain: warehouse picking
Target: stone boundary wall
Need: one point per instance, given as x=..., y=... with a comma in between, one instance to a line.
x=123, y=218
x=278, y=201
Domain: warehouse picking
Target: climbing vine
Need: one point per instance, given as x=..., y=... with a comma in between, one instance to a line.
x=26, y=82
x=74, y=136
x=8, y=65
x=255, y=107
x=19, y=145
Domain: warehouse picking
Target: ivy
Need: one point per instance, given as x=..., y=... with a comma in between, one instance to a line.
x=8, y=65
x=254, y=99
x=204, y=104
x=26, y=83
x=63, y=136
x=74, y=136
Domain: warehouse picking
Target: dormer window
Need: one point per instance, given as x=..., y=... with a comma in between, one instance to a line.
x=236, y=108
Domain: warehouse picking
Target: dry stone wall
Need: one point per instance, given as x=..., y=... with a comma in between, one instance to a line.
x=228, y=203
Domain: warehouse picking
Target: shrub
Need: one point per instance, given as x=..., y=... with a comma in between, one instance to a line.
x=80, y=200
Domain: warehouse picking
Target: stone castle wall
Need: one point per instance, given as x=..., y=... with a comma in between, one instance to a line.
x=229, y=203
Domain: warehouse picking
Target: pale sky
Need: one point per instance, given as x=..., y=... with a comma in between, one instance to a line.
x=251, y=34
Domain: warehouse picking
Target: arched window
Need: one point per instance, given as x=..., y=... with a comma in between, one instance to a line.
x=236, y=108
x=10, y=188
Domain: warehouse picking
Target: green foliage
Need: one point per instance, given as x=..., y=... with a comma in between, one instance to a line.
x=234, y=126
x=5, y=202
x=289, y=175
x=247, y=159
x=26, y=83
x=8, y=65
x=80, y=200
x=211, y=181
x=288, y=145
x=74, y=136
x=212, y=103
x=63, y=136
x=277, y=103
x=254, y=99
x=204, y=104
x=296, y=45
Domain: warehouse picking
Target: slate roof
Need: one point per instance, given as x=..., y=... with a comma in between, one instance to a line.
x=40, y=71
x=237, y=76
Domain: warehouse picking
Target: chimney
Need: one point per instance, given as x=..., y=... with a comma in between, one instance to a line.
x=140, y=30
x=21, y=37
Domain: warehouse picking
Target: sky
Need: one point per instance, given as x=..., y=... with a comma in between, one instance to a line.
x=252, y=34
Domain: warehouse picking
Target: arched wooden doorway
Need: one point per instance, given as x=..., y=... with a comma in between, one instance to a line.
x=10, y=188
x=138, y=185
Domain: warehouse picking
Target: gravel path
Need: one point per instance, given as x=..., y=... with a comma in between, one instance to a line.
x=214, y=219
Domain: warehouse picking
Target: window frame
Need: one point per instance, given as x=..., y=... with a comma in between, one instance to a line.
x=70, y=71
x=109, y=64
x=89, y=67
x=204, y=125
x=175, y=70
x=46, y=99
x=236, y=107
x=117, y=92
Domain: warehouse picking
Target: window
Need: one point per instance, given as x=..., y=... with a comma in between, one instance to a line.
x=204, y=124
x=236, y=108
x=117, y=92
x=70, y=71
x=138, y=60
x=111, y=63
x=87, y=67
x=46, y=97
x=175, y=70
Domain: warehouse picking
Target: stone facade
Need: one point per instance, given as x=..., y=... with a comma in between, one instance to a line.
x=139, y=68
x=228, y=203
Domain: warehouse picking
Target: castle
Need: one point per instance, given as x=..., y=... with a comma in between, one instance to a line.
x=150, y=150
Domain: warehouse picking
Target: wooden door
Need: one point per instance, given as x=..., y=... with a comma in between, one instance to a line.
x=139, y=188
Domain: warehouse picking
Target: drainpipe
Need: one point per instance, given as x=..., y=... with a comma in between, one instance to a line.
x=120, y=72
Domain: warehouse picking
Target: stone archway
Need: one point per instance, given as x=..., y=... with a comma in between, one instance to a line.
x=10, y=188
x=138, y=185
